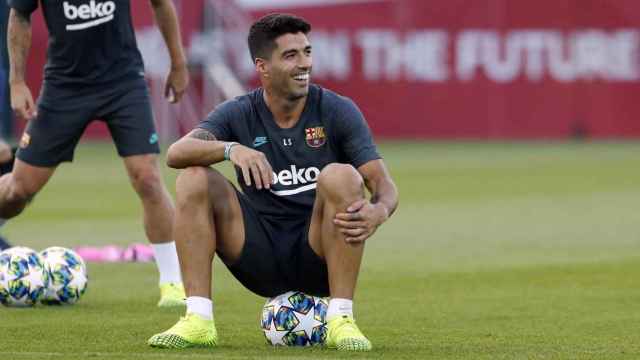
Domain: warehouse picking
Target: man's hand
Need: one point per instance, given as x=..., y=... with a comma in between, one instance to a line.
x=361, y=220
x=252, y=163
x=22, y=101
x=176, y=84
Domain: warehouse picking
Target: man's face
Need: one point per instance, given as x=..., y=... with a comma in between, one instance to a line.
x=289, y=68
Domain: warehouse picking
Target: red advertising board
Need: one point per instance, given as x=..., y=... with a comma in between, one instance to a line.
x=486, y=69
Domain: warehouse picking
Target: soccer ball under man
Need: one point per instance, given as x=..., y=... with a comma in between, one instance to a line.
x=68, y=274
x=295, y=319
x=23, y=277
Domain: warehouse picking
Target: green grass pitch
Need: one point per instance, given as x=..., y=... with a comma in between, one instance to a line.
x=497, y=251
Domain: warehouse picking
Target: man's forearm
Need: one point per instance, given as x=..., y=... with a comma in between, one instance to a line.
x=198, y=148
x=167, y=20
x=192, y=152
x=19, y=42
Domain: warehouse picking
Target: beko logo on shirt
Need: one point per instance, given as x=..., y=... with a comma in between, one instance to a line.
x=97, y=12
x=295, y=176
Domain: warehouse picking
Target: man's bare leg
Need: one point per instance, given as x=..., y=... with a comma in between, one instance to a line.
x=20, y=186
x=208, y=219
x=338, y=186
x=158, y=212
x=158, y=216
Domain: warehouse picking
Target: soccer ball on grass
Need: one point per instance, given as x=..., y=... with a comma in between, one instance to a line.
x=295, y=319
x=68, y=274
x=23, y=277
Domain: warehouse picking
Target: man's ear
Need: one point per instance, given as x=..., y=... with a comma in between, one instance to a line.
x=262, y=67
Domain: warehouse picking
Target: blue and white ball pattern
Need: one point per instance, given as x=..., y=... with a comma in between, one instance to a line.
x=68, y=274
x=295, y=319
x=23, y=277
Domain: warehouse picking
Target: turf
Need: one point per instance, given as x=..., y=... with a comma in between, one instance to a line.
x=498, y=251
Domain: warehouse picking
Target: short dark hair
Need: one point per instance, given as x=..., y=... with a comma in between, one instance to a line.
x=265, y=31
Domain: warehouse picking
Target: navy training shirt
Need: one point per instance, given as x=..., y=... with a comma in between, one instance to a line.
x=90, y=41
x=331, y=129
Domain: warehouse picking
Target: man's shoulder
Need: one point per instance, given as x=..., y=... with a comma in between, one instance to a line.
x=240, y=104
x=334, y=104
x=329, y=97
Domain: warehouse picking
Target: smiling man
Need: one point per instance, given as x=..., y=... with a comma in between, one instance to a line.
x=303, y=155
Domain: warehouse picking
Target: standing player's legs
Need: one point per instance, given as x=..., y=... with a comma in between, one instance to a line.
x=48, y=140
x=338, y=186
x=127, y=111
x=208, y=220
x=158, y=213
x=17, y=188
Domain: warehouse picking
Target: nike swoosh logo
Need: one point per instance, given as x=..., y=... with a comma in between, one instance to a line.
x=259, y=143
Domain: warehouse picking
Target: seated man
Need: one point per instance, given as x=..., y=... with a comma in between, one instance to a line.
x=302, y=155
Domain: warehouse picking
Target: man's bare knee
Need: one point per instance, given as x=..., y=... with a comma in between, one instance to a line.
x=340, y=182
x=147, y=182
x=21, y=190
x=197, y=183
x=17, y=194
x=192, y=185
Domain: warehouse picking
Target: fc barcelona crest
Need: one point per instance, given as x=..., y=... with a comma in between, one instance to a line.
x=25, y=140
x=315, y=136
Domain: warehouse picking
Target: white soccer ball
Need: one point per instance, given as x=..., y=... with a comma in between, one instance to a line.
x=295, y=319
x=23, y=277
x=68, y=274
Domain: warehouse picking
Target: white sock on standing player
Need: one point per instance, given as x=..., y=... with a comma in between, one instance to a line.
x=201, y=306
x=167, y=261
x=340, y=307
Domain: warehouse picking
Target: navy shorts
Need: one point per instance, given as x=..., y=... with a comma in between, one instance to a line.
x=277, y=257
x=64, y=112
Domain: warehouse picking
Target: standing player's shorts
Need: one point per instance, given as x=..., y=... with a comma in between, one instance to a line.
x=64, y=112
x=277, y=257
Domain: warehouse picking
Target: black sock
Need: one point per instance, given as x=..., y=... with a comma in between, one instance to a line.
x=3, y=243
x=7, y=167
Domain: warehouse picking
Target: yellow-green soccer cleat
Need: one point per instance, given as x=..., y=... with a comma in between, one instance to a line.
x=171, y=294
x=191, y=330
x=343, y=334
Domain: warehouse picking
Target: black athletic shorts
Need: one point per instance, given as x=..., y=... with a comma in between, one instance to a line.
x=64, y=112
x=277, y=257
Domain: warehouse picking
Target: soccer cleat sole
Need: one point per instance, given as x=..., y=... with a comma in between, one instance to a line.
x=164, y=303
x=354, y=345
x=172, y=341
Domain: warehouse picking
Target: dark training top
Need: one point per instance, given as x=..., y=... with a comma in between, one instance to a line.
x=330, y=129
x=90, y=41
